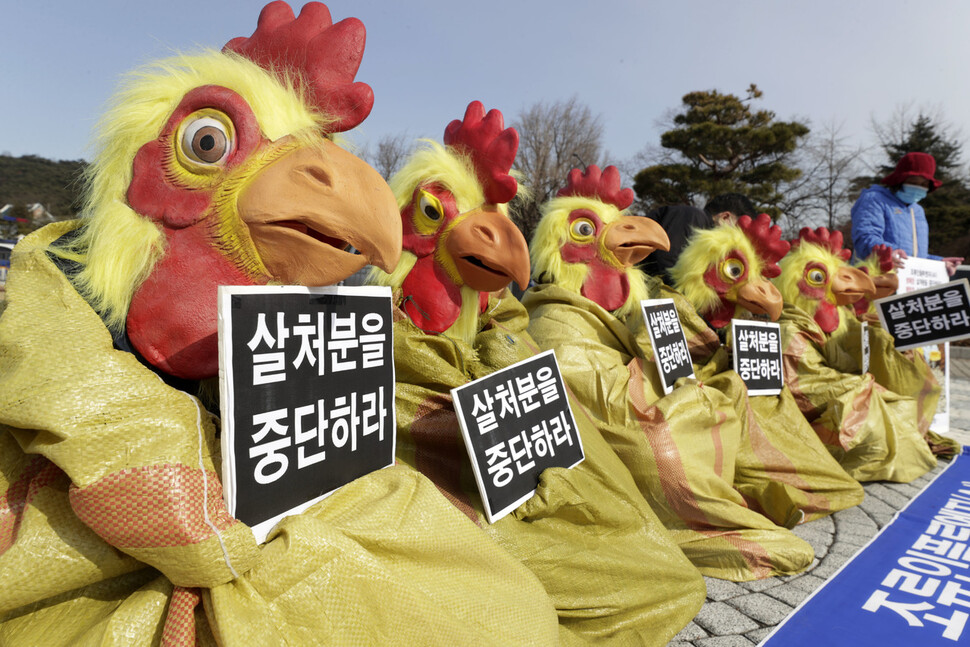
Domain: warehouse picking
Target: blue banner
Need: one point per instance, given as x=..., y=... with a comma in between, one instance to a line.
x=909, y=586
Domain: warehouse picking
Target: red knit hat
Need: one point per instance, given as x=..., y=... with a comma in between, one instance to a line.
x=919, y=164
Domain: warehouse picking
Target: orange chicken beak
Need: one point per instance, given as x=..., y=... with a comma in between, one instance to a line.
x=886, y=284
x=850, y=284
x=488, y=250
x=761, y=298
x=306, y=210
x=632, y=238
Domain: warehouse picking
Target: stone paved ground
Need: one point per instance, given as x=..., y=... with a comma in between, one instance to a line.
x=743, y=614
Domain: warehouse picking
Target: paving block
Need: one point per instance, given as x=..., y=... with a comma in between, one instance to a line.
x=763, y=608
x=755, y=586
x=829, y=566
x=854, y=515
x=819, y=537
x=691, y=632
x=873, y=506
x=808, y=582
x=724, y=641
x=720, y=619
x=722, y=589
x=888, y=495
x=758, y=635
x=789, y=595
x=853, y=539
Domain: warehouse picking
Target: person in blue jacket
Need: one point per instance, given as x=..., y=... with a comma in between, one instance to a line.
x=889, y=213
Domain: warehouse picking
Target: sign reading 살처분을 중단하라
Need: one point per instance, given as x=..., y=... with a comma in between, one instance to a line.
x=307, y=390
x=670, y=352
x=928, y=316
x=756, y=351
x=516, y=422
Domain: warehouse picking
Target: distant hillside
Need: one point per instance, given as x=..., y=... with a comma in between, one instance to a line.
x=29, y=179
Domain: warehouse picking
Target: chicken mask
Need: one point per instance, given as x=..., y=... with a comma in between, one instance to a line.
x=219, y=169
x=587, y=244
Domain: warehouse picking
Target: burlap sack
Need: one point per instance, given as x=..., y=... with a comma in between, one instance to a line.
x=871, y=431
x=681, y=448
x=113, y=529
x=612, y=570
x=906, y=373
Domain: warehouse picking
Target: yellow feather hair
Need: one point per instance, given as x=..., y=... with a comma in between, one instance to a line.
x=704, y=248
x=434, y=163
x=552, y=233
x=793, y=269
x=117, y=248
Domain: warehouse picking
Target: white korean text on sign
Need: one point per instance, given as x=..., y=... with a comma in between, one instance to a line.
x=756, y=349
x=669, y=344
x=516, y=422
x=929, y=316
x=307, y=386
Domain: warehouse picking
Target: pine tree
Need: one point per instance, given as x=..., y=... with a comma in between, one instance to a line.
x=720, y=145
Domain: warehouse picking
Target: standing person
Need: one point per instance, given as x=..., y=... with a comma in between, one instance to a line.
x=679, y=222
x=889, y=213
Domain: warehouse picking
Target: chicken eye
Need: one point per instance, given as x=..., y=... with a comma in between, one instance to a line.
x=732, y=269
x=206, y=140
x=582, y=228
x=816, y=277
x=430, y=207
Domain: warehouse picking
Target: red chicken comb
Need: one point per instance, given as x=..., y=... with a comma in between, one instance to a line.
x=491, y=147
x=604, y=186
x=767, y=241
x=884, y=253
x=830, y=240
x=321, y=55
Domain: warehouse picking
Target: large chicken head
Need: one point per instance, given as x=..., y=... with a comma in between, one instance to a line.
x=587, y=244
x=724, y=272
x=459, y=243
x=816, y=277
x=238, y=171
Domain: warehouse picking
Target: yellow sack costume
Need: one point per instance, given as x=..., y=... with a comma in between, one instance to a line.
x=906, y=373
x=114, y=529
x=681, y=448
x=784, y=470
x=870, y=430
x=215, y=169
x=610, y=568
x=684, y=448
x=608, y=564
x=873, y=432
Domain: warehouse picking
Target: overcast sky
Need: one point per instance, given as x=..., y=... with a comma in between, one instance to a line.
x=823, y=61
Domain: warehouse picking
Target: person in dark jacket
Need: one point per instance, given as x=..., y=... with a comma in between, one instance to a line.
x=680, y=221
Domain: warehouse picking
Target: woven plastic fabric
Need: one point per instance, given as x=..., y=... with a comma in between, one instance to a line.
x=608, y=564
x=871, y=431
x=783, y=469
x=906, y=373
x=681, y=448
x=113, y=530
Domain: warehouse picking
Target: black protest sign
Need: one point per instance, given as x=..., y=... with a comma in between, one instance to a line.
x=929, y=316
x=307, y=389
x=516, y=422
x=669, y=344
x=756, y=347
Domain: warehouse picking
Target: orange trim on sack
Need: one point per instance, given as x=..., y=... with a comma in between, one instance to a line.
x=153, y=506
